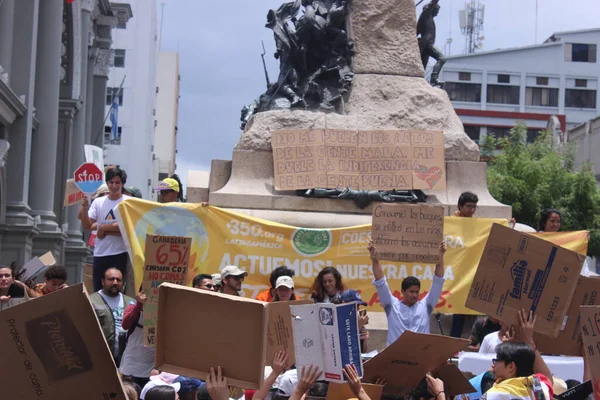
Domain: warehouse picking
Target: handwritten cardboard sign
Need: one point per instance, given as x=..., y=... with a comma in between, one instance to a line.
x=590, y=333
x=406, y=361
x=326, y=335
x=167, y=260
x=520, y=271
x=568, y=341
x=72, y=194
x=280, y=334
x=367, y=160
x=410, y=233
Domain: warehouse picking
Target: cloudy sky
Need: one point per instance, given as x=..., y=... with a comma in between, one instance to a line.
x=221, y=70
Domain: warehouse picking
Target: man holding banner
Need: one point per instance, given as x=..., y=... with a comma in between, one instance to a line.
x=410, y=313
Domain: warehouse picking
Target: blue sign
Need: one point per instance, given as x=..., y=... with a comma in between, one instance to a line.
x=349, y=336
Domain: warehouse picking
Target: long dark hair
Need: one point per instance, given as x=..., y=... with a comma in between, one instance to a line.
x=545, y=216
x=180, y=194
x=318, y=294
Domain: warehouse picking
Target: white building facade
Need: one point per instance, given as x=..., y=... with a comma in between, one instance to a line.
x=492, y=90
x=167, y=110
x=130, y=145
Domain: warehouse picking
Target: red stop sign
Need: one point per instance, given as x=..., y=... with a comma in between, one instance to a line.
x=88, y=177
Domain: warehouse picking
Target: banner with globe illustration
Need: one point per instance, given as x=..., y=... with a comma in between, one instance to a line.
x=221, y=237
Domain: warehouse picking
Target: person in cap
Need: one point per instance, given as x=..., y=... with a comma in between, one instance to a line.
x=231, y=279
x=216, y=278
x=268, y=294
x=284, y=289
x=170, y=190
x=158, y=390
x=349, y=296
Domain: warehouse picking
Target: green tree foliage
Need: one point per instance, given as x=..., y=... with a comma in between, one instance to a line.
x=536, y=176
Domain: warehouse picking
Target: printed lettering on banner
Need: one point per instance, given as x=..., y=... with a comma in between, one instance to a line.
x=326, y=335
x=167, y=260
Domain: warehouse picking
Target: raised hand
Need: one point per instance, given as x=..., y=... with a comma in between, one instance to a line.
x=216, y=384
x=280, y=362
x=353, y=380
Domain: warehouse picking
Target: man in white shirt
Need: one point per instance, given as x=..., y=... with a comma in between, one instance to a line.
x=410, y=313
x=110, y=250
x=491, y=340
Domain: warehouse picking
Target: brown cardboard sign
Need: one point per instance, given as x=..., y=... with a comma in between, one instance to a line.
x=590, y=333
x=53, y=348
x=166, y=260
x=367, y=160
x=568, y=341
x=72, y=194
x=280, y=334
x=520, y=271
x=220, y=330
x=342, y=391
x=455, y=382
x=406, y=361
x=409, y=233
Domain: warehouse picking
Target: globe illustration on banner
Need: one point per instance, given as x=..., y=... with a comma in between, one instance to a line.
x=175, y=221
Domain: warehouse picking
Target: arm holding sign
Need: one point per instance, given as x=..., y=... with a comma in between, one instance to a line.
x=132, y=312
x=434, y=294
x=354, y=382
x=280, y=362
x=527, y=322
x=306, y=379
x=383, y=290
x=88, y=214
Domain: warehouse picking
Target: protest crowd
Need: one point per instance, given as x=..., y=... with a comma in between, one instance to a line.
x=517, y=371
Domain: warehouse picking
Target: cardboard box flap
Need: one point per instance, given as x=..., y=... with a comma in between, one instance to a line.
x=57, y=350
x=568, y=341
x=280, y=334
x=198, y=329
x=406, y=361
x=520, y=271
x=342, y=391
x=455, y=382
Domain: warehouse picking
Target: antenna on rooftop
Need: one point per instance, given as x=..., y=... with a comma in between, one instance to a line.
x=471, y=25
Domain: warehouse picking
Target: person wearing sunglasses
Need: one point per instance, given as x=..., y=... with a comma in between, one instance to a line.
x=231, y=280
x=204, y=282
x=519, y=369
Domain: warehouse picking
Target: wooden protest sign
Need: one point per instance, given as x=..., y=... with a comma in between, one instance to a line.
x=72, y=194
x=590, y=333
x=167, y=260
x=410, y=233
x=367, y=160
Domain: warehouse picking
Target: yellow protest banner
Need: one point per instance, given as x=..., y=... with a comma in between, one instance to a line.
x=221, y=237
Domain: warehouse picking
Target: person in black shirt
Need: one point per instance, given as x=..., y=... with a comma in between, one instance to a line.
x=481, y=328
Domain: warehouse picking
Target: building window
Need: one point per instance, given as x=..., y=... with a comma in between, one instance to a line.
x=541, y=81
x=543, y=97
x=464, y=76
x=111, y=93
x=119, y=58
x=580, y=52
x=501, y=94
x=580, y=82
x=108, y=136
x=503, y=78
x=578, y=98
x=532, y=135
x=473, y=132
x=162, y=176
x=470, y=92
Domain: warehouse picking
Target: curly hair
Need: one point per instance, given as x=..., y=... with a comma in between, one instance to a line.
x=318, y=293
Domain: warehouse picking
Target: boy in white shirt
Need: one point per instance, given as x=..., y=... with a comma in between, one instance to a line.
x=110, y=250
